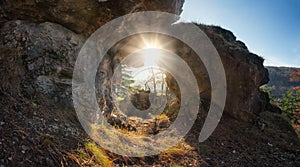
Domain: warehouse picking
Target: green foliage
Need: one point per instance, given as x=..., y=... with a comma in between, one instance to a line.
x=125, y=87
x=273, y=99
x=290, y=105
x=267, y=89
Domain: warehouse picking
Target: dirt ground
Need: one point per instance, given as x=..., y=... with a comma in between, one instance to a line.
x=36, y=135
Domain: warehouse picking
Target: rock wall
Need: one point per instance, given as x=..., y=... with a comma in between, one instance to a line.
x=81, y=16
x=52, y=32
x=48, y=52
x=244, y=71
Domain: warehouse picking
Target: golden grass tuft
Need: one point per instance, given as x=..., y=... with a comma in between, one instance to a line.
x=176, y=165
x=99, y=155
x=174, y=151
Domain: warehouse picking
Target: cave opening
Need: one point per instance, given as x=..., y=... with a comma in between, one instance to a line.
x=141, y=91
x=135, y=87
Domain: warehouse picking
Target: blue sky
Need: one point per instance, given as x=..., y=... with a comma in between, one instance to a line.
x=269, y=28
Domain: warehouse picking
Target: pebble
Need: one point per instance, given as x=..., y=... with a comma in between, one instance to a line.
x=2, y=123
x=269, y=144
x=9, y=158
x=18, y=22
x=24, y=147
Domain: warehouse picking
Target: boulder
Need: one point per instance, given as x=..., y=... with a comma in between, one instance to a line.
x=48, y=52
x=244, y=72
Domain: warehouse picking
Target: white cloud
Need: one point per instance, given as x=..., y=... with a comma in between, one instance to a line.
x=279, y=61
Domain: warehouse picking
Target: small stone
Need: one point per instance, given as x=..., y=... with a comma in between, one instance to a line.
x=9, y=158
x=233, y=151
x=2, y=123
x=24, y=147
x=18, y=22
x=55, y=127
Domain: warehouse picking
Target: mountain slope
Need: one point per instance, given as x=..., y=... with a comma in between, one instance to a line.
x=280, y=79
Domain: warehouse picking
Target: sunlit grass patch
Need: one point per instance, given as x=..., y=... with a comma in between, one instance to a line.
x=176, y=165
x=174, y=151
x=91, y=155
x=179, y=149
x=99, y=155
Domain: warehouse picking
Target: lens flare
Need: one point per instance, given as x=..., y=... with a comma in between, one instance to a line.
x=150, y=56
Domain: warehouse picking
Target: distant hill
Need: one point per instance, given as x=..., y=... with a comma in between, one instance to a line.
x=279, y=79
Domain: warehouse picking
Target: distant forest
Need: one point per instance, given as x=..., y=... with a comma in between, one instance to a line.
x=280, y=80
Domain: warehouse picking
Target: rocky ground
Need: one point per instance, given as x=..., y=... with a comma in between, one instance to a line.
x=268, y=142
x=34, y=135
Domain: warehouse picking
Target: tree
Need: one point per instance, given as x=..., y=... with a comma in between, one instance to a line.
x=290, y=105
x=124, y=88
x=295, y=76
x=156, y=79
x=290, y=101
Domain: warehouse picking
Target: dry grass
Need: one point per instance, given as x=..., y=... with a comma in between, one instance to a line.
x=128, y=139
x=91, y=155
x=174, y=151
x=99, y=155
x=176, y=165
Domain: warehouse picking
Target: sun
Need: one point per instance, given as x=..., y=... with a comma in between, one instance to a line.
x=148, y=49
x=151, y=56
